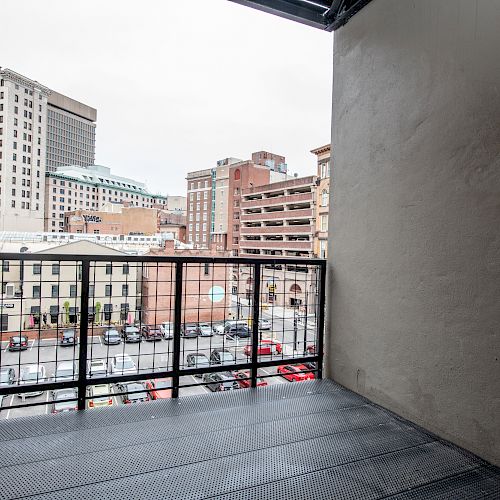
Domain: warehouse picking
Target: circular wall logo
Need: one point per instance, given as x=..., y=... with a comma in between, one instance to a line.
x=216, y=294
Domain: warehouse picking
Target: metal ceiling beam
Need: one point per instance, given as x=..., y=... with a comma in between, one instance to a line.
x=327, y=15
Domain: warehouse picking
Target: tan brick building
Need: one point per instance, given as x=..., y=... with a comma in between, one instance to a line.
x=322, y=200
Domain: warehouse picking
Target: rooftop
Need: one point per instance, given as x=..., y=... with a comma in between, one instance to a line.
x=313, y=440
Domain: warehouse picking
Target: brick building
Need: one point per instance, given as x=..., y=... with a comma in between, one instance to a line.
x=206, y=289
x=322, y=200
x=199, y=208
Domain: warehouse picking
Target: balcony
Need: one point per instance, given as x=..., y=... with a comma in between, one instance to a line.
x=278, y=200
x=276, y=244
x=288, y=229
x=337, y=444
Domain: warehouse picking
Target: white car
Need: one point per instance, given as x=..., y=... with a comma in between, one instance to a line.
x=264, y=324
x=219, y=329
x=122, y=364
x=32, y=374
x=205, y=330
x=97, y=368
x=66, y=370
x=167, y=330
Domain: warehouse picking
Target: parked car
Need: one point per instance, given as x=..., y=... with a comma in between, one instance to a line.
x=64, y=400
x=66, y=370
x=220, y=328
x=151, y=333
x=220, y=381
x=264, y=324
x=295, y=373
x=131, y=333
x=190, y=331
x=7, y=377
x=311, y=349
x=99, y=395
x=197, y=360
x=122, y=364
x=111, y=337
x=97, y=368
x=206, y=330
x=32, y=374
x=159, y=388
x=221, y=357
x=167, y=330
x=68, y=337
x=265, y=347
x=18, y=343
x=237, y=330
x=243, y=378
x=132, y=392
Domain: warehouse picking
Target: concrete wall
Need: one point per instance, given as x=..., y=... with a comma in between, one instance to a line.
x=414, y=305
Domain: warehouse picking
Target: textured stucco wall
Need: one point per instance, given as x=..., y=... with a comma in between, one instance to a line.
x=414, y=301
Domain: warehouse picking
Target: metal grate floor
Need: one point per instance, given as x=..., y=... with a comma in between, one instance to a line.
x=313, y=440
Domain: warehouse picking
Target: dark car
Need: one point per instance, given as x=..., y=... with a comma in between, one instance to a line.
x=64, y=400
x=222, y=381
x=111, y=336
x=18, y=343
x=221, y=357
x=133, y=392
x=7, y=377
x=68, y=337
x=131, y=333
x=151, y=333
x=236, y=330
x=197, y=360
x=190, y=331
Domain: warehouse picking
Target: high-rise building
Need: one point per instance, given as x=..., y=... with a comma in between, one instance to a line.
x=275, y=162
x=73, y=187
x=23, y=132
x=322, y=201
x=199, y=207
x=39, y=130
x=70, y=132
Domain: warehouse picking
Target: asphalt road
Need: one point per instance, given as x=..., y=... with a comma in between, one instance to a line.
x=149, y=356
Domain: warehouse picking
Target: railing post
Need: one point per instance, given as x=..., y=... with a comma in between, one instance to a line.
x=255, y=323
x=84, y=328
x=321, y=317
x=177, y=329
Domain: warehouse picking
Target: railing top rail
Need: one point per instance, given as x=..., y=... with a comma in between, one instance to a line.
x=160, y=259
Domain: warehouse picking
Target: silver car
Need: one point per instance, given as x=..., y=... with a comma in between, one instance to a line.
x=122, y=364
x=205, y=330
x=66, y=370
x=32, y=374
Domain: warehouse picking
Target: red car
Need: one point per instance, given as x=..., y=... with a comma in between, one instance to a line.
x=295, y=373
x=159, y=388
x=265, y=347
x=245, y=374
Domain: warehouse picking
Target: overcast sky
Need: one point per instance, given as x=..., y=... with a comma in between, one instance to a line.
x=178, y=84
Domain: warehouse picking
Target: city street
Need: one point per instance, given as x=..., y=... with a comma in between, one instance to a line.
x=153, y=355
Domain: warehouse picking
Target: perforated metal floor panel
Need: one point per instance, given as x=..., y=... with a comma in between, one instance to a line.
x=313, y=440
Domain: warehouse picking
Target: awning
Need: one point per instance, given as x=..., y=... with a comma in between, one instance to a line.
x=108, y=307
x=54, y=310
x=35, y=309
x=327, y=15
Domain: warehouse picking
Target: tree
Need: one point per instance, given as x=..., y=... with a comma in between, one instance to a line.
x=97, y=311
x=66, y=309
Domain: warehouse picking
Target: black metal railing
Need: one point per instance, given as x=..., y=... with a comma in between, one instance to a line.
x=81, y=321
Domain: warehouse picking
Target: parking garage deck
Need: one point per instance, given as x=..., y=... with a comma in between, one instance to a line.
x=308, y=440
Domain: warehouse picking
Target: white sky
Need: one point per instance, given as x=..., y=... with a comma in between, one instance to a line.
x=178, y=84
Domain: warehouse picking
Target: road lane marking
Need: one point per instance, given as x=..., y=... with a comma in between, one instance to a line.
x=47, y=405
x=32, y=344
x=10, y=403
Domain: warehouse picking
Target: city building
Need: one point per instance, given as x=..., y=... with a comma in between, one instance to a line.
x=48, y=294
x=89, y=188
x=206, y=288
x=322, y=201
x=174, y=205
x=23, y=133
x=224, y=195
x=278, y=218
x=70, y=132
x=199, y=207
x=172, y=223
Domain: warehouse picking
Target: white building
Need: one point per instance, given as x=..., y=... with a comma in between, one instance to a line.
x=74, y=187
x=23, y=132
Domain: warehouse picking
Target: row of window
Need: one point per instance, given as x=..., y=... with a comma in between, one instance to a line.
x=73, y=290
x=56, y=268
x=198, y=185
x=198, y=195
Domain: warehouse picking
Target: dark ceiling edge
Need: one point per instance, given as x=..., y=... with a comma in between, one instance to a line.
x=306, y=14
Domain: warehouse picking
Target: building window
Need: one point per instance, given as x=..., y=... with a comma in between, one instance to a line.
x=109, y=268
x=55, y=269
x=37, y=268
x=108, y=291
x=237, y=174
x=126, y=269
x=124, y=290
x=324, y=198
x=324, y=222
x=91, y=290
x=72, y=290
x=36, y=291
x=55, y=291
x=5, y=265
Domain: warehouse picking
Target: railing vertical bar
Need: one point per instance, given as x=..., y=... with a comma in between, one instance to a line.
x=321, y=317
x=255, y=323
x=177, y=329
x=84, y=326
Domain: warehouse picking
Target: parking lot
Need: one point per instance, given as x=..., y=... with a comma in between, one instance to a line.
x=152, y=356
